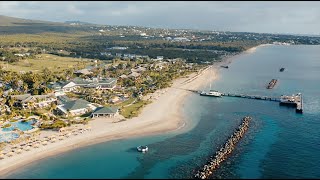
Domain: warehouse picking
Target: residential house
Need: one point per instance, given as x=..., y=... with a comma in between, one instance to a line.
x=134, y=75
x=75, y=107
x=138, y=69
x=123, y=76
x=105, y=112
x=82, y=72
x=159, y=57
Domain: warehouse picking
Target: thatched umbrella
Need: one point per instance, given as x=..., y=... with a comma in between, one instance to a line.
x=44, y=142
x=19, y=151
x=10, y=154
x=28, y=148
x=53, y=140
x=1, y=156
x=61, y=138
x=89, y=128
x=36, y=145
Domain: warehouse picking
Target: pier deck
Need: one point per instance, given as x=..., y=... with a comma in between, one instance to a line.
x=258, y=97
x=293, y=100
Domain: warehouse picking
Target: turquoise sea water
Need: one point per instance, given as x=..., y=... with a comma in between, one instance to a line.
x=279, y=144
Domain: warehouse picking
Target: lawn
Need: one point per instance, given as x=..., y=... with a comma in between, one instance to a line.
x=127, y=102
x=52, y=62
x=134, y=109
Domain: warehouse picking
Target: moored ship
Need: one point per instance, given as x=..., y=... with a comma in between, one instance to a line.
x=213, y=93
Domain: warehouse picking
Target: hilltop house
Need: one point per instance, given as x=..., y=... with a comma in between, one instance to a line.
x=82, y=72
x=75, y=107
x=105, y=112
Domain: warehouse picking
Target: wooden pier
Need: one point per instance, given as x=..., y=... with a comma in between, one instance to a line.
x=258, y=97
x=293, y=100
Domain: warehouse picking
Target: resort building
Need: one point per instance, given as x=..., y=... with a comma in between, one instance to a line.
x=40, y=101
x=97, y=83
x=105, y=112
x=60, y=88
x=75, y=107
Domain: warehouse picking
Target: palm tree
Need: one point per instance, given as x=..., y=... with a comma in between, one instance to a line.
x=31, y=105
x=53, y=106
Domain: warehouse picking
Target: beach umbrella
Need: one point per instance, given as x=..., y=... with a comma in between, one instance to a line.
x=19, y=151
x=36, y=145
x=61, y=138
x=1, y=156
x=10, y=154
x=53, y=139
x=28, y=148
x=44, y=142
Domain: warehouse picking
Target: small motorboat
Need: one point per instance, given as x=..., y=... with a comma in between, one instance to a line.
x=142, y=148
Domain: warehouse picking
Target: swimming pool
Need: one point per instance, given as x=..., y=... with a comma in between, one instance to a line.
x=6, y=137
x=23, y=126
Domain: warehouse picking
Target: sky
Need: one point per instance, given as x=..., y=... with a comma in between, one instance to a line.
x=296, y=17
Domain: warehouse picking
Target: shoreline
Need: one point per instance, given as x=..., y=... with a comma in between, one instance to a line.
x=163, y=115
x=156, y=118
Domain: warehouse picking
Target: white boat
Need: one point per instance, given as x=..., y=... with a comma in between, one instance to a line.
x=142, y=148
x=211, y=93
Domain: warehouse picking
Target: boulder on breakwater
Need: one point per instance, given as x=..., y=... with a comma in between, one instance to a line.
x=224, y=151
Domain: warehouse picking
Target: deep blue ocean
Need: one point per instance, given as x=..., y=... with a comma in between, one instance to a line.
x=279, y=144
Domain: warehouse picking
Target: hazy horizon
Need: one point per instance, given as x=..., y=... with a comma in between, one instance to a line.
x=262, y=17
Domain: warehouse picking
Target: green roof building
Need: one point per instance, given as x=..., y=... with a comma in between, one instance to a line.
x=76, y=107
x=105, y=112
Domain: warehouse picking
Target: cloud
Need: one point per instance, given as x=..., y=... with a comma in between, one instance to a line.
x=265, y=16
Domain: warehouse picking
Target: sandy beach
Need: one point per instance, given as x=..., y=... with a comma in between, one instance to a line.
x=253, y=49
x=161, y=116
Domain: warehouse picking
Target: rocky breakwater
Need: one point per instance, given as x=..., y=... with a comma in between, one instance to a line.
x=214, y=161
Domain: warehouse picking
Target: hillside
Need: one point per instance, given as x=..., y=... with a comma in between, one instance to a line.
x=12, y=25
x=95, y=41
